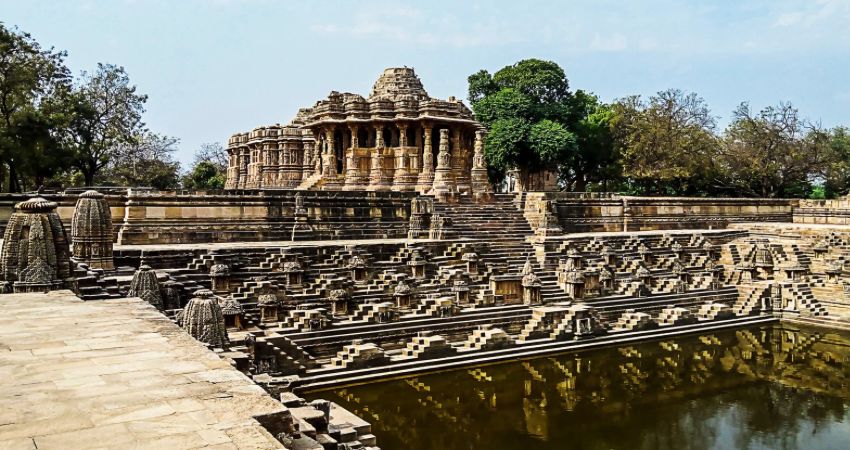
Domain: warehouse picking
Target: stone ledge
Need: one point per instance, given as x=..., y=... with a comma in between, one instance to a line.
x=118, y=374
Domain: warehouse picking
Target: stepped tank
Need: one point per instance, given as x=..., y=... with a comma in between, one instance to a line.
x=768, y=387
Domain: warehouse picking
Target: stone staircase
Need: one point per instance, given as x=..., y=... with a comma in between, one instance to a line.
x=675, y=315
x=714, y=311
x=359, y=355
x=494, y=221
x=426, y=346
x=371, y=312
x=306, y=319
x=487, y=338
x=633, y=321
x=309, y=182
x=543, y=320
x=431, y=307
x=749, y=298
x=806, y=302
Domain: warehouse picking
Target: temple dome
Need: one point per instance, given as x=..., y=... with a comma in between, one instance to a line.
x=398, y=83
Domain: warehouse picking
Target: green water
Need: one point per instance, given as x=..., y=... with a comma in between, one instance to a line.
x=760, y=388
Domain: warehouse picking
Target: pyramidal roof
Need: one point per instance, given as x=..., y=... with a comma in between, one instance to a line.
x=398, y=83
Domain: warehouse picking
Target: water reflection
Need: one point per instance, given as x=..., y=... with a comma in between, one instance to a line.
x=762, y=388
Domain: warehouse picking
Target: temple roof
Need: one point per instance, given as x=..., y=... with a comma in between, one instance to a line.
x=398, y=83
x=397, y=94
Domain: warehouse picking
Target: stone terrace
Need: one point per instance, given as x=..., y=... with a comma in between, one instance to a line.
x=119, y=374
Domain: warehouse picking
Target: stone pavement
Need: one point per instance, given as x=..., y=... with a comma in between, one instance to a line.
x=118, y=374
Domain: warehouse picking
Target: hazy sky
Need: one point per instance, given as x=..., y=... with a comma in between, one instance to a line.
x=212, y=68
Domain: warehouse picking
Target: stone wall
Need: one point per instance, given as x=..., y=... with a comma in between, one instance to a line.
x=160, y=217
x=830, y=212
x=594, y=212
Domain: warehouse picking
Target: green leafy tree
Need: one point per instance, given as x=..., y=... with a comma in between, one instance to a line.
x=596, y=159
x=209, y=169
x=773, y=153
x=665, y=143
x=525, y=107
x=107, y=114
x=837, y=174
x=41, y=152
x=204, y=176
x=30, y=77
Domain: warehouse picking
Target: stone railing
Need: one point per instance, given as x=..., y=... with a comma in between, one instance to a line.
x=167, y=217
x=590, y=212
x=830, y=212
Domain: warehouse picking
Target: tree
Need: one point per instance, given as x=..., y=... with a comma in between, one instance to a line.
x=596, y=159
x=146, y=160
x=204, y=176
x=40, y=153
x=774, y=152
x=837, y=176
x=29, y=76
x=525, y=107
x=213, y=153
x=107, y=114
x=209, y=169
x=664, y=143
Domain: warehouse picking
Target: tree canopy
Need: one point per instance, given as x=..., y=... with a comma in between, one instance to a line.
x=666, y=144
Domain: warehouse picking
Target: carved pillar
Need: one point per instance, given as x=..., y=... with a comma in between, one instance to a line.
x=426, y=174
x=317, y=153
x=376, y=172
x=328, y=157
x=459, y=165
x=480, y=182
x=443, y=177
x=415, y=157
x=402, y=134
x=244, y=160
x=379, y=136
x=330, y=177
x=352, y=163
x=401, y=174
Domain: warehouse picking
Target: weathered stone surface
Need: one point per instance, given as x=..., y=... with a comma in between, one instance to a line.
x=35, y=255
x=203, y=319
x=91, y=231
x=117, y=374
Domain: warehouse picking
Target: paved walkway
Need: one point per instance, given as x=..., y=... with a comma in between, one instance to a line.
x=117, y=374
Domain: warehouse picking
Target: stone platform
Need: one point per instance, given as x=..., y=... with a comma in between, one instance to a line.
x=118, y=374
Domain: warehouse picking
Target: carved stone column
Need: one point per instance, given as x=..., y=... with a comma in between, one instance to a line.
x=401, y=174
x=329, y=176
x=426, y=174
x=232, y=169
x=317, y=153
x=443, y=177
x=459, y=165
x=244, y=160
x=480, y=183
x=308, y=146
x=352, y=161
x=402, y=134
x=376, y=172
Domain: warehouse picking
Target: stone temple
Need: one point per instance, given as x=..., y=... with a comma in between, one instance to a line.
x=398, y=138
x=362, y=242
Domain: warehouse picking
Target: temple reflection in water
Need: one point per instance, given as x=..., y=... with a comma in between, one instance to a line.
x=771, y=387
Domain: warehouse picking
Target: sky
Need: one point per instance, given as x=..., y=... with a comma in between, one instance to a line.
x=213, y=68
